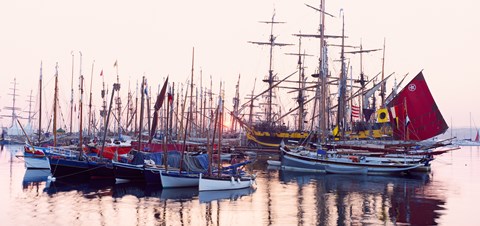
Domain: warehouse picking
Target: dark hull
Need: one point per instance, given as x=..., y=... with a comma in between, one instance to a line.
x=67, y=168
x=152, y=175
x=101, y=170
x=128, y=171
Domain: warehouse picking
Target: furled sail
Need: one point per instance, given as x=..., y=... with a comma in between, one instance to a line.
x=414, y=115
x=158, y=105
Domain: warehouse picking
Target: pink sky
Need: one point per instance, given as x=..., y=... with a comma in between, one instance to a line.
x=155, y=39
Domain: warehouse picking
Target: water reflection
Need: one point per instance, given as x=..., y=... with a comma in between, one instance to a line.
x=35, y=175
x=280, y=198
x=232, y=195
x=362, y=199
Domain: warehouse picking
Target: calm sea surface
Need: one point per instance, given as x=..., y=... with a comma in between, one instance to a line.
x=449, y=195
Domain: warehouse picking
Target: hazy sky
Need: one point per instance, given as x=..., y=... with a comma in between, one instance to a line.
x=155, y=39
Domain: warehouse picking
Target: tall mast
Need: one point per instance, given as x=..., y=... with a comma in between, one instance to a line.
x=236, y=104
x=14, y=100
x=342, y=84
x=103, y=112
x=80, y=107
x=30, y=107
x=270, y=79
x=382, y=92
x=90, y=101
x=40, y=104
x=55, y=98
x=301, y=85
x=140, y=127
x=323, y=75
x=250, y=115
x=136, y=110
x=71, y=96
x=191, y=91
x=202, y=107
x=129, y=107
x=220, y=129
x=119, y=103
x=189, y=116
x=170, y=112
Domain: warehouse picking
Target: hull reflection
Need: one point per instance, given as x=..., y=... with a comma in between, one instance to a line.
x=233, y=195
x=360, y=199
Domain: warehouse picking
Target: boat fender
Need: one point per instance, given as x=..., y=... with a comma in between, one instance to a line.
x=232, y=179
x=238, y=179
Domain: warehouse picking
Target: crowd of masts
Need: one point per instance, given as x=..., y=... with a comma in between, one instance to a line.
x=132, y=120
x=190, y=109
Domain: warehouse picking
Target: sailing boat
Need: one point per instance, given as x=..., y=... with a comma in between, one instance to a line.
x=221, y=181
x=421, y=121
x=35, y=157
x=179, y=178
x=64, y=162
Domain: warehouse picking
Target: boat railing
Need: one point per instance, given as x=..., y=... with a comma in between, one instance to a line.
x=65, y=152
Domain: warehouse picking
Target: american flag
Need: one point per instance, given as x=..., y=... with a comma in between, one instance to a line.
x=355, y=111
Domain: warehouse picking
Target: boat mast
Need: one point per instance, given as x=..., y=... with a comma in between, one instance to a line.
x=129, y=108
x=55, y=97
x=71, y=96
x=13, y=108
x=170, y=117
x=80, y=107
x=301, y=85
x=236, y=104
x=191, y=94
x=220, y=130
x=40, y=104
x=140, y=127
x=250, y=115
x=136, y=110
x=119, y=103
x=165, y=138
x=270, y=79
x=323, y=75
x=106, y=124
x=189, y=115
x=90, y=101
x=383, y=88
x=30, y=107
x=342, y=88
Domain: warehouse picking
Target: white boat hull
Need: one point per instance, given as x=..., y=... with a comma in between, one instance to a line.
x=224, y=183
x=36, y=162
x=346, y=170
x=344, y=165
x=178, y=180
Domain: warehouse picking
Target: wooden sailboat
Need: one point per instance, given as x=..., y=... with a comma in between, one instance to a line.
x=179, y=178
x=152, y=172
x=129, y=171
x=65, y=162
x=35, y=157
x=220, y=181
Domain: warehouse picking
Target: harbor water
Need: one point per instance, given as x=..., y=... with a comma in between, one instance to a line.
x=448, y=195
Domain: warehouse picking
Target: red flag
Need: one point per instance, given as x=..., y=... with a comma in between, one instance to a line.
x=101, y=73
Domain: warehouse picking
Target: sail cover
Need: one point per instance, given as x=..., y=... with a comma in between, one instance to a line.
x=414, y=114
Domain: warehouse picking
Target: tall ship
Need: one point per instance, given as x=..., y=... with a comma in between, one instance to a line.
x=319, y=124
